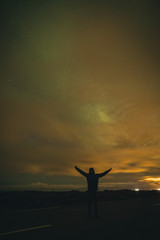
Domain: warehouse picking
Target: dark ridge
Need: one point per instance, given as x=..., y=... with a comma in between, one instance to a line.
x=17, y=200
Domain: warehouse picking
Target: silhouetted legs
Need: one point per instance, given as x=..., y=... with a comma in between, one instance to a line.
x=92, y=200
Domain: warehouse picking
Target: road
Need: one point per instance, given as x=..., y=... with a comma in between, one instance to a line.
x=127, y=219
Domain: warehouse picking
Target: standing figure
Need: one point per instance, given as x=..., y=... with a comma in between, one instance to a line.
x=92, y=180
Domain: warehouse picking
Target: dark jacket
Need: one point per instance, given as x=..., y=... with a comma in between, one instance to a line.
x=92, y=179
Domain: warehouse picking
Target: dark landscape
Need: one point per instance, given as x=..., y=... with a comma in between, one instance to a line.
x=48, y=215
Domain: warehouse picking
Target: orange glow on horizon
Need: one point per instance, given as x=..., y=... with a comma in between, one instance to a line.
x=152, y=179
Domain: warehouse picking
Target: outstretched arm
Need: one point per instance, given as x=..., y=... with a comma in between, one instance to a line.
x=104, y=173
x=81, y=172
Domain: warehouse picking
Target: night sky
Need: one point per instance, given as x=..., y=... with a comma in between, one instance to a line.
x=79, y=85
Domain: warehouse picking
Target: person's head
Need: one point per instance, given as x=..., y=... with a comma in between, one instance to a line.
x=91, y=171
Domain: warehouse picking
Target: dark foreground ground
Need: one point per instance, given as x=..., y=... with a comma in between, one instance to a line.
x=129, y=216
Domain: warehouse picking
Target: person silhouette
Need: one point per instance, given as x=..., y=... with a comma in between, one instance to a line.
x=92, y=181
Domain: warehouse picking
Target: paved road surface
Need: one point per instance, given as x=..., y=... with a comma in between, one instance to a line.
x=127, y=219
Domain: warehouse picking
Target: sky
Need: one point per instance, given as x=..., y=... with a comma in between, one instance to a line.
x=79, y=86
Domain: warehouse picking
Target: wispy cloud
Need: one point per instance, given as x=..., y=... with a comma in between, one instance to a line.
x=39, y=186
x=81, y=89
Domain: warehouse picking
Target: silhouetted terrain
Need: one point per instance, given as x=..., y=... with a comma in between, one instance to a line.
x=63, y=215
x=39, y=199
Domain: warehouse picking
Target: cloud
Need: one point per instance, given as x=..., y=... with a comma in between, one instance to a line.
x=152, y=179
x=152, y=182
x=39, y=186
x=81, y=89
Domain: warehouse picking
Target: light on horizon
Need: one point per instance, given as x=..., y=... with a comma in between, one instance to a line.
x=136, y=189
